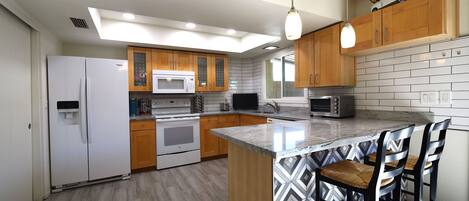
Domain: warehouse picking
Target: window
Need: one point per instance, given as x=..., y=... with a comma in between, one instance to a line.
x=280, y=78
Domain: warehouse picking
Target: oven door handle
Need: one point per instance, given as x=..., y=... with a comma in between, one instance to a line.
x=177, y=119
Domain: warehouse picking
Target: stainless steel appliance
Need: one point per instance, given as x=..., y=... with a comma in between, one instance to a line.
x=332, y=106
x=177, y=132
x=173, y=82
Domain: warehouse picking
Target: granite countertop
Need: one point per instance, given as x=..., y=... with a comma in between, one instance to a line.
x=286, y=139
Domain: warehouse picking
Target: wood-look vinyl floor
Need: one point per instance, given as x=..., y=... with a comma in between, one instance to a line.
x=206, y=181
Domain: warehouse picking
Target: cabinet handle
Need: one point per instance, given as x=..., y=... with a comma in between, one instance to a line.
x=310, y=79
x=316, y=79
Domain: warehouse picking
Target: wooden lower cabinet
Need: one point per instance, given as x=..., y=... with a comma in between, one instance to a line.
x=213, y=146
x=246, y=120
x=142, y=144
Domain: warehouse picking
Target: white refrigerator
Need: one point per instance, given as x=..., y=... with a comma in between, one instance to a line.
x=88, y=120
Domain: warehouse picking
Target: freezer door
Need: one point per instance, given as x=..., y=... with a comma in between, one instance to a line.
x=67, y=120
x=108, y=118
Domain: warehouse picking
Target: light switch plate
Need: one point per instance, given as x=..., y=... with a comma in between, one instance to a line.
x=429, y=98
x=446, y=97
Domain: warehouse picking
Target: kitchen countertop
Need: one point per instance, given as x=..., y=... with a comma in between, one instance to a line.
x=286, y=139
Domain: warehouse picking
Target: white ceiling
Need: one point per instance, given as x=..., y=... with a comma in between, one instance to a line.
x=256, y=16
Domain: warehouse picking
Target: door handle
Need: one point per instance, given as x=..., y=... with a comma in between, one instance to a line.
x=88, y=97
x=82, y=107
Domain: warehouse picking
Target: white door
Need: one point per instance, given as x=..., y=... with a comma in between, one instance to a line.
x=15, y=104
x=68, y=137
x=108, y=118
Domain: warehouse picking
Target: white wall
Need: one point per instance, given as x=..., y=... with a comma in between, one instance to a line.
x=95, y=51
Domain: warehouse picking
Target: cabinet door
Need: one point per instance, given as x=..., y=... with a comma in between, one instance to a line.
x=246, y=120
x=327, y=57
x=183, y=61
x=368, y=32
x=223, y=122
x=201, y=63
x=139, y=69
x=209, y=144
x=219, y=79
x=143, y=149
x=412, y=19
x=162, y=59
x=304, y=61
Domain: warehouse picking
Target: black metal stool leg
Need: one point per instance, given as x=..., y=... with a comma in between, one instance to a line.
x=318, y=187
x=349, y=195
x=396, y=193
x=418, y=187
x=433, y=183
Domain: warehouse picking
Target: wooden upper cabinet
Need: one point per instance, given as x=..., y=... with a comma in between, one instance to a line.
x=201, y=63
x=162, y=59
x=330, y=67
x=368, y=32
x=219, y=68
x=140, y=78
x=183, y=61
x=304, y=61
x=172, y=60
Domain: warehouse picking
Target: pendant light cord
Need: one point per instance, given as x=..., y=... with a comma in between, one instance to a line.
x=292, y=5
x=346, y=11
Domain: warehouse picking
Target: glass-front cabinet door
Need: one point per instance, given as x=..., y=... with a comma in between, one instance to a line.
x=139, y=69
x=202, y=73
x=220, y=73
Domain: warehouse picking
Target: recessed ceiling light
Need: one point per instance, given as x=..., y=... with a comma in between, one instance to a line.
x=128, y=16
x=190, y=25
x=270, y=47
x=231, y=31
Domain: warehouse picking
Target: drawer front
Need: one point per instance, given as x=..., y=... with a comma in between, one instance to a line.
x=139, y=125
x=229, y=119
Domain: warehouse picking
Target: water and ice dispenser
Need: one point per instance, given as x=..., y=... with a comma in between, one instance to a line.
x=69, y=111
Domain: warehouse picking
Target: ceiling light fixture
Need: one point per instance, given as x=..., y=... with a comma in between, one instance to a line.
x=270, y=48
x=231, y=31
x=128, y=16
x=293, y=24
x=190, y=25
x=347, y=35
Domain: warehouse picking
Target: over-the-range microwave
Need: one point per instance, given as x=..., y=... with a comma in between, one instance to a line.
x=173, y=82
x=332, y=106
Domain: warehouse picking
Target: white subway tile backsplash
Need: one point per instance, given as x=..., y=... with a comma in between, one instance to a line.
x=460, y=52
x=366, y=90
x=379, y=69
x=461, y=69
x=430, y=71
x=402, y=88
x=380, y=108
x=361, y=71
x=360, y=59
x=373, y=83
x=432, y=55
x=449, y=78
x=367, y=77
x=461, y=42
x=368, y=64
x=398, y=74
x=412, y=51
x=411, y=66
x=361, y=84
x=402, y=103
x=431, y=87
x=460, y=121
x=463, y=86
x=409, y=95
x=377, y=96
x=460, y=95
x=450, y=61
x=367, y=102
x=397, y=60
x=460, y=104
x=451, y=112
x=413, y=80
x=380, y=56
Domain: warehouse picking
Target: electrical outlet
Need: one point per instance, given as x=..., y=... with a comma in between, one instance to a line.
x=446, y=97
x=429, y=98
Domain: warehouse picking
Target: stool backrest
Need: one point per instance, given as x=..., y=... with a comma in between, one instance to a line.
x=383, y=156
x=431, y=150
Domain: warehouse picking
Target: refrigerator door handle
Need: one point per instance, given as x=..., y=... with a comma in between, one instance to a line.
x=90, y=115
x=82, y=101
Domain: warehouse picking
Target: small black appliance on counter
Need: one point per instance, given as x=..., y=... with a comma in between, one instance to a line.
x=245, y=101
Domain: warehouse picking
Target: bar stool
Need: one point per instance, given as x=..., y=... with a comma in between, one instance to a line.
x=371, y=181
x=427, y=161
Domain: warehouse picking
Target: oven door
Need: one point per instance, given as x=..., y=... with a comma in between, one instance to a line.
x=164, y=84
x=177, y=135
x=321, y=106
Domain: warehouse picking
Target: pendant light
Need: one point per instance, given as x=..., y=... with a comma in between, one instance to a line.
x=293, y=24
x=347, y=35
